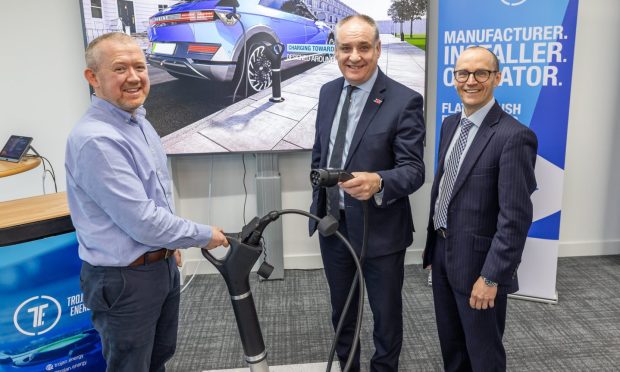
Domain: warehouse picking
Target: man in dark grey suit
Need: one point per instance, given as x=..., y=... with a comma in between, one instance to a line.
x=480, y=215
x=371, y=126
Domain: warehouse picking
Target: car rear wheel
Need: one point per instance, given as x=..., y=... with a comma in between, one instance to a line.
x=258, y=69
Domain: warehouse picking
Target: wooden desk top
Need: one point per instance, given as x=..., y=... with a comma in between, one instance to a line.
x=34, y=209
x=8, y=168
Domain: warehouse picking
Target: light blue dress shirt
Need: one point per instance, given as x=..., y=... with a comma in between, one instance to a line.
x=358, y=101
x=476, y=118
x=119, y=189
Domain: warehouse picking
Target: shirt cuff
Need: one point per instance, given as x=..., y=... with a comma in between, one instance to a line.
x=204, y=235
x=379, y=197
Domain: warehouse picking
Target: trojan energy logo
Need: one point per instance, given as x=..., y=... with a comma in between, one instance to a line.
x=513, y=2
x=37, y=315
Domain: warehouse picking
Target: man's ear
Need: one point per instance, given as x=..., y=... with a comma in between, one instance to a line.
x=498, y=78
x=91, y=77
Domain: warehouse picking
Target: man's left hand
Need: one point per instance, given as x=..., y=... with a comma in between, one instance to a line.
x=362, y=186
x=178, y=258
x=482, y=296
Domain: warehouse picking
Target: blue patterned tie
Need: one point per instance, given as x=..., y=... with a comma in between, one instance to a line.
x=440, y=218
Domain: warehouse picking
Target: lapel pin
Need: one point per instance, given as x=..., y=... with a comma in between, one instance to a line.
x=378, y=101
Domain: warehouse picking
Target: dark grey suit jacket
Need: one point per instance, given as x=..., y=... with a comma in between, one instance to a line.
x=388, y=140
x=490, y=211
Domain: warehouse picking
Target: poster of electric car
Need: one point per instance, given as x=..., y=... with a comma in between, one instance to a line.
x=206, y=55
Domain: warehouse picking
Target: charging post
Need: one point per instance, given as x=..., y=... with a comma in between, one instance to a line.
x=274, y=53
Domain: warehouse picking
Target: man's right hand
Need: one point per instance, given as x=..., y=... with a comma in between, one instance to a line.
x=217, y=238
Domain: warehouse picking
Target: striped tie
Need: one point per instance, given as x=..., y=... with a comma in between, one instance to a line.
x=440, y=218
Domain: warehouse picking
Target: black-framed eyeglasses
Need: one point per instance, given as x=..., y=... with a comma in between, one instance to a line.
x=480, y=75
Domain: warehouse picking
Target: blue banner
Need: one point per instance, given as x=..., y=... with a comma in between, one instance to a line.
x=534, y=41
x=44, y=324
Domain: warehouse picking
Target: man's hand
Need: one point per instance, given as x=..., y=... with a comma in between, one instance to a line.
x=482, y=296
x=178, y=258
x=362, y=186
x=217, y=238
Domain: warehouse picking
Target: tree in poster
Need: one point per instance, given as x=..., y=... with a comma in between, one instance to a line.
x=407, y=10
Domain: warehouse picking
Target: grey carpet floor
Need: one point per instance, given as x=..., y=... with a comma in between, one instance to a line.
x=580, y=333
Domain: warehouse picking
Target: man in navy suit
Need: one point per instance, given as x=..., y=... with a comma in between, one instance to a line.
x=372, y=127
x=480, y=216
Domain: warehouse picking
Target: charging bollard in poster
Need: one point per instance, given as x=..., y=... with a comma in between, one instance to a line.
x=44, y=324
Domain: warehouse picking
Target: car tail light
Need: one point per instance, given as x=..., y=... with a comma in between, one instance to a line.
x=185, y=17
x=201, y=48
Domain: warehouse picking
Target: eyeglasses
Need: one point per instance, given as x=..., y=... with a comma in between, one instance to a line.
x=480, y=75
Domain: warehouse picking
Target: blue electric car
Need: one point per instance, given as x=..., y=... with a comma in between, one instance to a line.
x=205, y=38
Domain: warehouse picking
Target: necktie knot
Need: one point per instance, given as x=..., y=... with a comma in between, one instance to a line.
x=466, y=124
x=350, y=89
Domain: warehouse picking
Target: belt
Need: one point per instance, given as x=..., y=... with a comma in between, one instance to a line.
x=442, y=232
x=152, y=257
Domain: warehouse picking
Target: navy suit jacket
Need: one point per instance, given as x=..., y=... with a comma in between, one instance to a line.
x=388, y=140
x=490, y=211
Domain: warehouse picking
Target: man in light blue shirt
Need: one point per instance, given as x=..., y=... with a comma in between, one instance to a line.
x=121, y=205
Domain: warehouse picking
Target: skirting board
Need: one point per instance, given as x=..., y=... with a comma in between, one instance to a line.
x=589, y=248
x=295, y=262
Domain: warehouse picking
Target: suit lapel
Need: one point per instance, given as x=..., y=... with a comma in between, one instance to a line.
x=372, y=105
x=450, y=128
x=485, y=132
x=332, y=96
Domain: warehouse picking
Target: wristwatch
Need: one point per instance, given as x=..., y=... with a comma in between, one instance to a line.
x=489, y=282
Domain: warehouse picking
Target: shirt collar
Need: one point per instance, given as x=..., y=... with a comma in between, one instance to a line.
x=127, y=117
x=368, y=84
x=478, y=116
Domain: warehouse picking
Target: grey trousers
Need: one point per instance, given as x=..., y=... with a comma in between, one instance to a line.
x=136, y=312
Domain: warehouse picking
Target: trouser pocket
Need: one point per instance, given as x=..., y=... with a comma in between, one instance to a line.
x=102, y=286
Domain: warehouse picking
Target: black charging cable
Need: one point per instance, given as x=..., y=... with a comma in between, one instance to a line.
x=50, y=171
x=242, y=74
x=330, y=178
x=345, y=309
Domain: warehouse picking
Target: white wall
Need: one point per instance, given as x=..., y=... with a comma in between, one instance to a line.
x=43, y=94
x=591, y=203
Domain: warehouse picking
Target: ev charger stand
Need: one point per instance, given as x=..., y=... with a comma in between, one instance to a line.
x=235, y=267
x=245, y=249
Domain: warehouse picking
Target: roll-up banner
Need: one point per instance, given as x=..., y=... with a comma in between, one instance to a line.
x=534, y=42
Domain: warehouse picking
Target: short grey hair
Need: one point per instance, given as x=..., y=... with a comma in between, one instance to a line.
x=361, y=17
x=92, y=50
